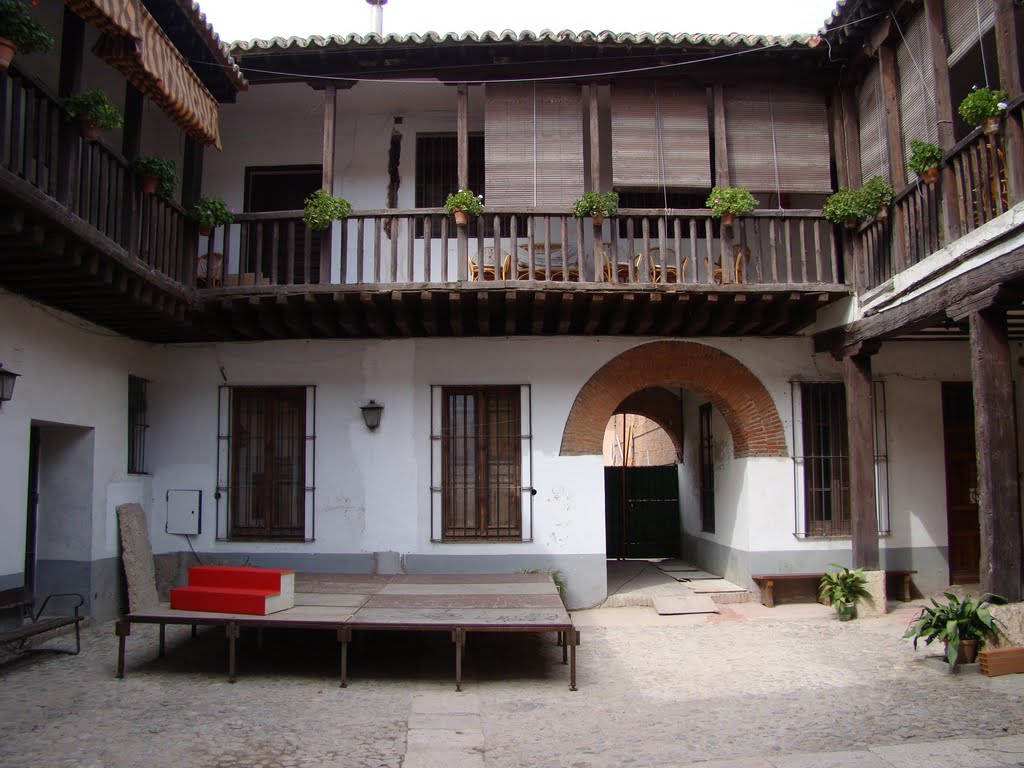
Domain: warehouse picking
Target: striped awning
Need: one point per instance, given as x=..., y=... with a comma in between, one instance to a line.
x=134, y=44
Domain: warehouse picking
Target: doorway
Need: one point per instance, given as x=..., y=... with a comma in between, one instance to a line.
x=963, y=524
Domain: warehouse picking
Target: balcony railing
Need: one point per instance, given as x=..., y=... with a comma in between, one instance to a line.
x=976, y=177
x=92, y=181
x=638, y=247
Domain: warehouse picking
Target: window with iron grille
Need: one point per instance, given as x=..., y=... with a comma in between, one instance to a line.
x=265, y=462
x=822, y=461
x=137, y=425
x=480, y=457
x=707, y=470
x=437, y=173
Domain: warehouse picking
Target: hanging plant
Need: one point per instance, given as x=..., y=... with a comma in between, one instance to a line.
x=728, y=202
x=463, y=204
x=876, y=196
x=596, y=205
x=159, y=176
x=844, y=207
x=210, y=212
x=925, y=158
x=94, y=112
x=984, y=107
x=20, y=32
x=321, y=209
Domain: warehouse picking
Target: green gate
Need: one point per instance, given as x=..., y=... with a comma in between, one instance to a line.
x=648, y=511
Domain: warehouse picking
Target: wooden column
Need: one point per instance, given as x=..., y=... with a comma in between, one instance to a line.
x=327, y=178
x=191, y=190
x=845, y=110
x=595, y=141
x=860, y=419
x=721, y=141
x=1008, y=52
x=944, y=114
x=462, y=138
x=894, y=139
x=72, y=52
x=131, y=143
x=995, y=438
x=851, y=137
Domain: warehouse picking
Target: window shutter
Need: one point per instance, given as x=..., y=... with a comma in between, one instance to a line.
x=874, y=147
x=917, y=101
x=783, y=126
x=660, y=136
x=962, y=24
x=533, y=151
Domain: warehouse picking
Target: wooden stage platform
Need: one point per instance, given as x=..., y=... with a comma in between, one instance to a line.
x=344, y=603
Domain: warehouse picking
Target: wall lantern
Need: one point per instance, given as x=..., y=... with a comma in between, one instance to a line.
x=7, y=384
x=371, y=414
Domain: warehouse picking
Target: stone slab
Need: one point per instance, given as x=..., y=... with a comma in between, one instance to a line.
x=444, y=740
x=443, y=759
x=851, y=759
x=691, y=575
x=137, y=556
x=1008, y=750
x=676, y=565
x=445, y=721
x=935, y=753
x=446, y=703
x=669, y=605
x=704, y=586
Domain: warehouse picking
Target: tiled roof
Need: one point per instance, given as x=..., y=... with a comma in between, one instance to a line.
x=219, y=48
x=565, y=37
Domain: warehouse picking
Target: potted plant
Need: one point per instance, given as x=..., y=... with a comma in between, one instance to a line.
x=876, y=196
x=983, y=106
x=729, y=202
x=159, y=176
x=463, y=204
x=210, y=212
x=94, y=112
x=20, y=32
x=960, y=624
x=842, y=588
x=321, y=209
x=924, y=160
x=844, y=207
x=596, y=205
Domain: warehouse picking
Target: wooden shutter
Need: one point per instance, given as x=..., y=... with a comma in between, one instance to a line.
x=533, y=144
x=962, y=24
x=874, y=146
x=917, y=92
x=660, y=136
x=769, y=126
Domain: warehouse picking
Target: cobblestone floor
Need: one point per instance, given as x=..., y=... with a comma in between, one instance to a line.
x=750, y=683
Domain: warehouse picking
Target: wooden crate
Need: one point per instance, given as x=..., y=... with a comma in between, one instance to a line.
x=1002, y=661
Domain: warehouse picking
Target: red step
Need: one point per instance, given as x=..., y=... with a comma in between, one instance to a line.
x=257, y=602
x=237, y=577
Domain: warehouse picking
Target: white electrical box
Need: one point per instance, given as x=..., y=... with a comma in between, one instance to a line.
x=184, y=512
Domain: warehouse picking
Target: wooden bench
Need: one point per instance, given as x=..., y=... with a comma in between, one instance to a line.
x=766, y=581
x=21, y=598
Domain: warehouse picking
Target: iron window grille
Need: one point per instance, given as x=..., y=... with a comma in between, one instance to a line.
x=481, y=463
x=707, y=470
x=821, y=469
x=137, y=425
x=266, y=468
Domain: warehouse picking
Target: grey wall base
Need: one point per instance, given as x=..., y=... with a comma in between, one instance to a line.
x=98, y=581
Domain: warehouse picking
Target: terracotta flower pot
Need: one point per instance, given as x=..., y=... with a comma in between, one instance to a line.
x=7, y=51
x=850, y=223
x=990, y=125
x=728, y=219
x=205, y=231
x=149, y=184
x=461, y=217
x=598, y=219
x=967, y=652
x=930, y=175
x=88, y=128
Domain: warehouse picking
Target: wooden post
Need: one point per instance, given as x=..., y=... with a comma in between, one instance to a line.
x=860, y=418
x=995, y=438
x=851, y=137
x=721, y=142
x=595, y=141
x=72, y=52
x=944, y=113
x=1008, y=53
x=894, y=139
x=191, y=190
x=462, y=139
x=131, y=142
x=327, y=178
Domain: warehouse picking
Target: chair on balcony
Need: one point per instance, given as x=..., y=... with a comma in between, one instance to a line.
x=486, y=271
x=560, y=263
x=209, y=270
x=667, y=266
x=617, y=270
x=741, y=255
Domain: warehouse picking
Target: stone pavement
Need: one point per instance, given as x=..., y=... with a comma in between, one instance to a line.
x=753, y=687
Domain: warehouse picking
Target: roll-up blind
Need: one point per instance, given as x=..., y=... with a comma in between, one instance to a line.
x=962, y=22
x=533, y=144
x=660, y=136
x=874, y=146
x=777, y=137
x=917, y=101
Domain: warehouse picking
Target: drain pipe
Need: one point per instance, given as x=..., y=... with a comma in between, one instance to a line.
x=378, y=15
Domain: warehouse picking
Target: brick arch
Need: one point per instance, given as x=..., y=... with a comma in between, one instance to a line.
x=663, y=408
x=741, y=398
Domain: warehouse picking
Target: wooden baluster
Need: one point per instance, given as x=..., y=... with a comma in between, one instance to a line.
x=225, y=254
x=479, y=224
x=803, y=250
x=581, y=251
x=307, y=259
x=513, y=246
x=360, y=243
x=394, y=248
x=275, y=247
x=563, y=226
x=817, y=252
x=342, y=276
x=531, y=244
x=630, y=252
x=645, y=256
x=677, y=227
x=410, y=252
x=789, y=251
x=376, y=249
x=694, y=257
x=257, y=266
x=709, y=244
x=427, y=241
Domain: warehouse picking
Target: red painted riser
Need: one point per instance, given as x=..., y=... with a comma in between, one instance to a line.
x=221, y=600
x=236, y=577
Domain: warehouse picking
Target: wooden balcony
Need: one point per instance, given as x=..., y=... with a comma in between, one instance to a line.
x=539, y=271
x=75, y=233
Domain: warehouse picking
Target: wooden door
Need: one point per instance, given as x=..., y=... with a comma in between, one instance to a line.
x=648, y=525
x=961, y=483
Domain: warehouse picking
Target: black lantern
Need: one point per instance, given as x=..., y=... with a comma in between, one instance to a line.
x=7, y=384
x=371, y=414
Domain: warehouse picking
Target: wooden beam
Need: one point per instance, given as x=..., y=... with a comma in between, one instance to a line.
x=69, y=81
x=851, y=134
x=839, y=148
x=721, y=142
x=860, y=415
x=191, y=190
x=595, y=140
x=540, y=303
x=329, y=135
x=1008, y=53
x=894, y=134
x=944, y=113
x=131, y=144
x=462, y=135
x=995, y=438
x=997, y=297
x=878, y=36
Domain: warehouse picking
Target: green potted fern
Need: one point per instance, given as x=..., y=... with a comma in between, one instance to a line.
x=463, y=204
x=876, y=196
x=925, y=158
x=94, y=113
x=321, y=209
x=20, y=32
x=983, y=107
x=844, y=207
x=159, y=176
x=842, y=588
x=596, y=205
x=727, y=203
x=209, y=213
x=959, y=624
